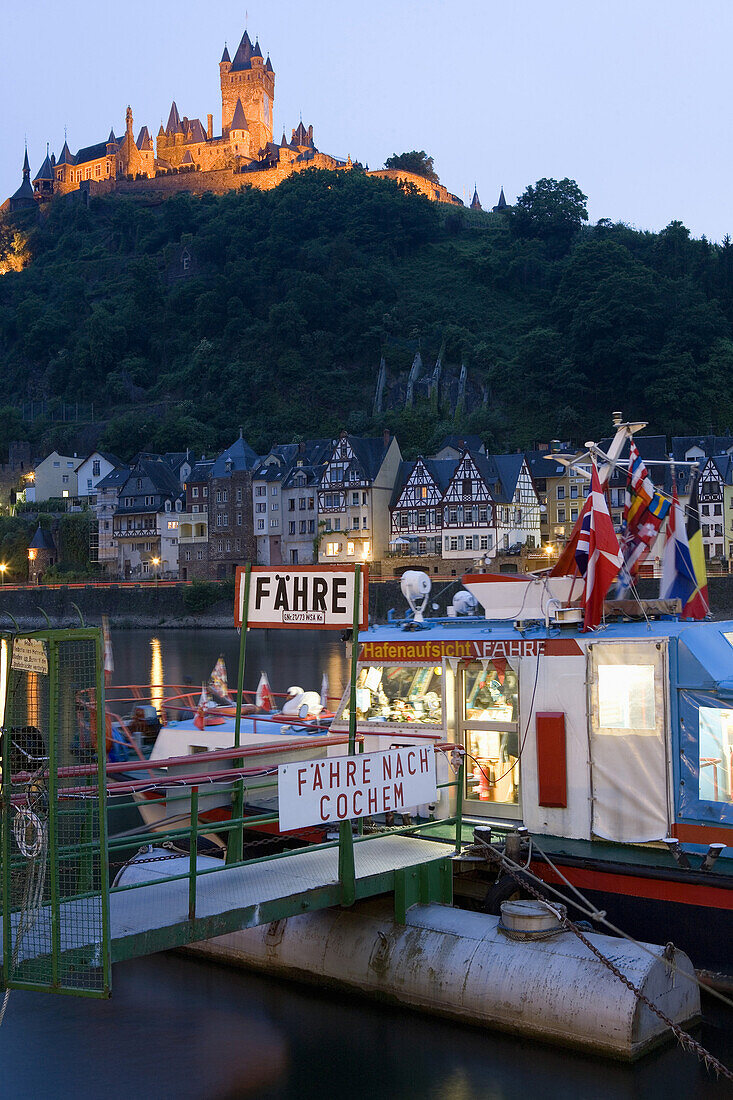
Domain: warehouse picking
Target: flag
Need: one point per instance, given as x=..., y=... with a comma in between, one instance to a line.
x=639, y=488
x=638, y=539
x=263, y=698
x=109, y=658
x=218, y=679
x=597, y=539
x=678, y=575
x=698, y=605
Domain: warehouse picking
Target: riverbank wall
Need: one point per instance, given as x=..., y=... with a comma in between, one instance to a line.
x=180, y=606
x=211, y=605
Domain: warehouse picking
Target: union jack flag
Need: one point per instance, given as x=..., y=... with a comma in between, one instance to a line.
x=604, y=556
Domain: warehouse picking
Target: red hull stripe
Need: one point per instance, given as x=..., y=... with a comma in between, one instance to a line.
x=606, y=882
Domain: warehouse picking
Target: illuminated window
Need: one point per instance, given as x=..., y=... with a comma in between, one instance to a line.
x=365, y=550
x=350, y=548
x=332, y=548
x=64, y=493
x=626, y=697
x=716, y=754
x=398, y=695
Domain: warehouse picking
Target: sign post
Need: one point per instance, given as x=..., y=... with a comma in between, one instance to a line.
x=303, y=597
x=236, y=837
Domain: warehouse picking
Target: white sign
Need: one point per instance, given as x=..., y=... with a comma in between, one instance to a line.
x=341, y=788
x=29, y=655
x=320, y=596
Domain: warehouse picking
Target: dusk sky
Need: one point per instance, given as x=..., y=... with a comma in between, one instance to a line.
x=631, y=98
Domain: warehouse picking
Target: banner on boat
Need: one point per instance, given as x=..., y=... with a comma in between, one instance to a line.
x=342, y=788
x=318, y=597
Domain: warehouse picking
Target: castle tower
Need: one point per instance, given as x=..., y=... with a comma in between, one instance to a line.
x=247, y=78
x=239, y=135
x=23, y=197
x=129, y=161
x=475, y=201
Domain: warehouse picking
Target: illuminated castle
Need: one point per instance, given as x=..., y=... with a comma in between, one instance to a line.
x=188, y=157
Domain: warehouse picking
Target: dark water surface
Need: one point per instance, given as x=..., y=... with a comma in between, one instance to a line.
x=184, y=1028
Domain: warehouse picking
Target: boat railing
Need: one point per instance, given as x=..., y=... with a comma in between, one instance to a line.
x=250, y=773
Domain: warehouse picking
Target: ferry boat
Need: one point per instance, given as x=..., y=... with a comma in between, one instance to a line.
x=613, y=749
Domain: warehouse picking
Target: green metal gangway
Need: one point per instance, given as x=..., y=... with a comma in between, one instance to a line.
x=64, y=923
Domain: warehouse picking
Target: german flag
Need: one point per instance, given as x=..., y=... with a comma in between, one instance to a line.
x=698, y=605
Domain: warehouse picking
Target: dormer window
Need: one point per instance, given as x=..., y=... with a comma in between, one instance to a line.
x=167, y=506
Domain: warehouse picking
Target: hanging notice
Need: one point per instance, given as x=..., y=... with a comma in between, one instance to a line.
x=29, y=655
x=316, y=596
x=341, y=788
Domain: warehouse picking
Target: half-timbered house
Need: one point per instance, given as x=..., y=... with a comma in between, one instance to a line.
x=716, y=473
x=354, y=496
x=490, y=505
x=416, y=509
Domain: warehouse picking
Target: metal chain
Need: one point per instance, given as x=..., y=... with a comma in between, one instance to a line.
x=683, y=1037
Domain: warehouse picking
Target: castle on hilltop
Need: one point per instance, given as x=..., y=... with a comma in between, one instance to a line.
x=188, y=156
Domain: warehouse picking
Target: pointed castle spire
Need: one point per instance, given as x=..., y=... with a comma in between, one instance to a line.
x=475, y=201
x=174, y=121
x=242, y=58
x=239, y=122
x=225, y=58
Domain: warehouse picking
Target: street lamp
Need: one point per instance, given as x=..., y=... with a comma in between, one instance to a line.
x=3, y=567
x=156, y=563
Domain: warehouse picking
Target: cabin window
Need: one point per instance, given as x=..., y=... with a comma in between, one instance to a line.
x=716, y=754
x=407, y=695
x=626, y=697
x=491, y=733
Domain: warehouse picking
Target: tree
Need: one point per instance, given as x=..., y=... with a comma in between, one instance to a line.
x=551, y=211
x=416, y=161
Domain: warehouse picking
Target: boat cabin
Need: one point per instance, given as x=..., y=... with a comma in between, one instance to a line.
x=624, y=734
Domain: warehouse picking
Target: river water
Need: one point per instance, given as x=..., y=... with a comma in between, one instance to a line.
x=185, y=1028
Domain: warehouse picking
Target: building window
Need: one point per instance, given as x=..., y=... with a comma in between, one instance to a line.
x=260, y=490
x=95, y=468
x=573, y=514
x=337, y=524
x=561, y=492
x=332, y=548
x=573, y=492
x=364, y=498
x=239, y=494
x=274, y=506
x=365, y=523
x=239, y=519
x=561, y=515
x=273, y=491
x=65, y=479
x=454, y=542
x=195, y=492
x=229, y=546
x=355, y=523
x=291, y=528
x=206, y=491
x=453, y=516
x=199, y=555
x=311, y=527
x=260, y=525
x=350, y=549
x=260, y=508
x=188, y=555
x=469, y=542
x=310, y=504
x=218, y=496
x=238, y=544
x=274, y=523
x=423, y=492
x=302, y=527
x=355, y=499
x=484, y=543
x=225, y=495
x=301, y=503
x=291, y=504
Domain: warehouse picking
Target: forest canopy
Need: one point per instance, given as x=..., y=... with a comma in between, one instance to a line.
x=270, y=310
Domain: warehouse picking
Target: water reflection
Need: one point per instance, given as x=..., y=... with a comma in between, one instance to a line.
x=157, y=678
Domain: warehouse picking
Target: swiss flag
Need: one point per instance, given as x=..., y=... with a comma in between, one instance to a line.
x=604, y=556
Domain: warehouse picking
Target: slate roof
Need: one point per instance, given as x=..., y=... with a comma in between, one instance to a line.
x=239, y=122
x=66, y=156
x=240, y=454
x=158, y=471
x=502, y=203
x=508, y=468
x=174, y=121
x=268, y=65
x=196, y=130
x=225, y=56
x=300, y=134
x=242, y=56
x=369, y=453
x=201, y=471
x=42, y=540
x=257, y=52
x=114, y=479
x=187, y=158
x=710, y=444
x=25, y=191
x=93, y=152
x=45, y=172
x=440, y=470
x=541, y=465
x=460, y=442
x=144, y=140
x=475, y=201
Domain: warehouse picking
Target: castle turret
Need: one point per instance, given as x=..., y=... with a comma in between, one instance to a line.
x=23, y=197
x=239, y=136
x=43, y=181
x=247, y=79
x=475, y=201
x=129, y=160
x=502, y=204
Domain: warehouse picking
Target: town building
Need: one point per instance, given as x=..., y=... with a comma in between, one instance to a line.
x=106, y=502
x=53, y=478
x=93, y=469
x=489, y=505
x=354, y=495
x=300, y=503
x=231, y=532
x=416, y=508
x=193, y=530
x=42, y=553
x=715, y=477
x=145, y=523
